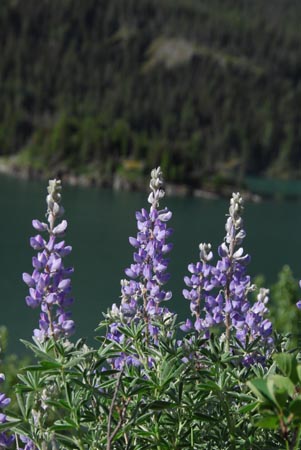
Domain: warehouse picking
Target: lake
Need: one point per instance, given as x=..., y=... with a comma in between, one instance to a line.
x=100, y=222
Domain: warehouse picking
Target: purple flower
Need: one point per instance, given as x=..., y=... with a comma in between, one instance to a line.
x=6, y=440
x=298, y=304
x=49, y=284
x=218, y=294
x=142, y=294
x=29, y=444
x=4, y=401
x=148, y=272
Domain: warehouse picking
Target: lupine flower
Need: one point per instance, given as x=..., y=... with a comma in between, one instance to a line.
x=49, y=284
x=142, y=295
x=6, y=440
x=29, y=444
x=299, y=301
x=219, y=294
x=199, y=284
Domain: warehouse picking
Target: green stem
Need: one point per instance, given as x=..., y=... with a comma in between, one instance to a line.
x=225, y=408
x=296, y=444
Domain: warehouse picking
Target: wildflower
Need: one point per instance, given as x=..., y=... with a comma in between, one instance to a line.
x=49, y=284
x=6, y=440
x=142, y=294
x=218, y=294
x=29, y=444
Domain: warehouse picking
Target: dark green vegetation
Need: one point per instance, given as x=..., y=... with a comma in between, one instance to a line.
x=208, y=89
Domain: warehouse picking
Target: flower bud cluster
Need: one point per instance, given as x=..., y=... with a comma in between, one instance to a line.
x=142, y=294
x=219, y=293
x=50, y=283
x=6, y=440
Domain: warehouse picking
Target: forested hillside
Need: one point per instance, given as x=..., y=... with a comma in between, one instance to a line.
x=209, y=89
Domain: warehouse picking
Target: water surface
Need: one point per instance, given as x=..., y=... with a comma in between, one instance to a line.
x=100, y=222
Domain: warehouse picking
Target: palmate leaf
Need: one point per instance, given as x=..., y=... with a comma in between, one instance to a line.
x=67, y=441
x=39, y=351
x=59, y=404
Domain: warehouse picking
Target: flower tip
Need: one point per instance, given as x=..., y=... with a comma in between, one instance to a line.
x=28, y=280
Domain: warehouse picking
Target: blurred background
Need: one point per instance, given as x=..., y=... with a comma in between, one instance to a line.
x=100, y=92
x=209, y=89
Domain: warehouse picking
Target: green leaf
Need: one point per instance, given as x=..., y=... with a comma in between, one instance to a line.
x=295, y=407
x=287, y=363
x=205, y=417
x=260, y=389
x=9, y=424
x=161, y=405
x=51, y=365
x=299, y=372
x=209, y=386
x=248, y=408
x=38, y=351
x=66, y=440
x=280, y=388
x=60, y=426
x=270, y=422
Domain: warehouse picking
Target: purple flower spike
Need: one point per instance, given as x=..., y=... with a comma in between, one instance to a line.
x=150, y=265
x=50, y=285
x=142, y=295
x=218, y=294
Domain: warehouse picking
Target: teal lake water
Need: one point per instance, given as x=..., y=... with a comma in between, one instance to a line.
x=100, y=222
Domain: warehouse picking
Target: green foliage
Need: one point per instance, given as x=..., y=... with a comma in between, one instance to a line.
x=10, y=364
x=192, y=395
x=285, y=316
x=279, y=399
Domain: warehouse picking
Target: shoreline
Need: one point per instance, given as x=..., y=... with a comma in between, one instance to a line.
x=120, y=183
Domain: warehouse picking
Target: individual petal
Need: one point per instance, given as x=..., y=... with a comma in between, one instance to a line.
x=60, y=228
x=187, y=326
x=39, y=226
x=51, y=298
x=37, y=242
x=165, y=215
x=32, y=302
x=28, y=280
x=64, y=284
x=134, y=242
